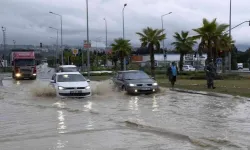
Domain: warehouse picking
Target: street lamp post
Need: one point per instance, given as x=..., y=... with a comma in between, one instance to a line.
x=164, y=52
x=61, y=33
x=106, y=32
x=124, y=60
x=88, y=63
x=56, y=41
x=14, y=42
x=230, y=26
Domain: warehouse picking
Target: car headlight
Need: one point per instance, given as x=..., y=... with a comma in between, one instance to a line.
x=18, y=75
x=131, y=84
x=87, y=87
x=60, y=88
x=155, y=84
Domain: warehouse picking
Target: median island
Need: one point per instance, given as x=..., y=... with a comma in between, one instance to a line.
x=232, y=84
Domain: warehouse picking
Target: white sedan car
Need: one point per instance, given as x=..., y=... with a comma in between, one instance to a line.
x=70, y=84
x=188, y=68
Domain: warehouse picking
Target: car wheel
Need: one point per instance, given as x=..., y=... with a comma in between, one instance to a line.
x=123, y=88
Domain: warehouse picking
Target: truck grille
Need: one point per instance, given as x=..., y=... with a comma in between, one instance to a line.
x=26, y=71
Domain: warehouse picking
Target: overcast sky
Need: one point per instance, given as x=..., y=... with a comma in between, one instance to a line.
x=27, y=21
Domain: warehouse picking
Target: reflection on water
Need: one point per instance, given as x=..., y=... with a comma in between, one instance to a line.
x=59, y=104
x=88, y=106
x=90, y=126
x=61, y=124
x=133, y=103
x=61, y=144
x=155, y=105
x=18, y=82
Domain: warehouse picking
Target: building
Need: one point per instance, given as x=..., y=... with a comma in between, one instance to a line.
x=160, y=61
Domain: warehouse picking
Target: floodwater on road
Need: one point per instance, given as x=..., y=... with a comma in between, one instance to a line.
x=113, y=120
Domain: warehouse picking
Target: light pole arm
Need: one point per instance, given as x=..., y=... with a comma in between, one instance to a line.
x=238, y=25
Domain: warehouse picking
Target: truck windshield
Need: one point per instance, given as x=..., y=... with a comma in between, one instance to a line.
x=25, y=62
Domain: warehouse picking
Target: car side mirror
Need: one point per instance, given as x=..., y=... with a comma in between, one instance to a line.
x=88, y=80
x=52, y=81
x=153, y=77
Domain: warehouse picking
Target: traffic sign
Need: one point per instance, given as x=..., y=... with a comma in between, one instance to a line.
x=219, y=60
x=86, y=44
x=75, y=51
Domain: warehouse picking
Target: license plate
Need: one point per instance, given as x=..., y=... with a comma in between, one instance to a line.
x=75, y=91
x=145, y=89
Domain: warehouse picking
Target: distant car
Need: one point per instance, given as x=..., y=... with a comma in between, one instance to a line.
x=67, y=68
x=135, y=82
x=71, y=84
x=188, y=68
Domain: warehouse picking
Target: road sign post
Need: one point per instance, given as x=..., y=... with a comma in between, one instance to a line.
x=87, y=45
x=75, y=51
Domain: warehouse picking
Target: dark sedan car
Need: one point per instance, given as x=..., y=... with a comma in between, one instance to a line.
x=135, y=82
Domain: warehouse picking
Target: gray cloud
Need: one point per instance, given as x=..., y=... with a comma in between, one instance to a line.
x=27, y=21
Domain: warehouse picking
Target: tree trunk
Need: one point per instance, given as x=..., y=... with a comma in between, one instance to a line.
x=209, y=52
x=152, y=59
x=121, y=61
x=181, y=61
x=214, y=55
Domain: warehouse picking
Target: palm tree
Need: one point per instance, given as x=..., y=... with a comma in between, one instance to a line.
x=151, y=38
x=209, y=34
x=121, y=47
x=183, y=44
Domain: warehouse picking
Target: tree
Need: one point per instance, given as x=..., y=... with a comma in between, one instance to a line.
x=151, y=38
x=183, y=44
x=121, y=47
x=209, y=34
x=226, y=44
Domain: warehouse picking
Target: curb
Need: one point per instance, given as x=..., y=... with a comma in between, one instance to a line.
x=202, y=93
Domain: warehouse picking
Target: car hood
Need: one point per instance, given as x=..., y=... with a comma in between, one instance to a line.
x=141, y=81
x=73, y=84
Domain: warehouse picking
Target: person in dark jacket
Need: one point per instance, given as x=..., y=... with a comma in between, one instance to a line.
x=210, y=74
x=172, y=73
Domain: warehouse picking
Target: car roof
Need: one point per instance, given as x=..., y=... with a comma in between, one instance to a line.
x=67, y=66
x=62, y=73
x=127, y=71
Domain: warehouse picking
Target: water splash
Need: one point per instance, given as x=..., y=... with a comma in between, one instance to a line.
x=43, y=91
x=104, y=88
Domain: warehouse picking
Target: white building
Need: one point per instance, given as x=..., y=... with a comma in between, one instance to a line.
x=188, y=59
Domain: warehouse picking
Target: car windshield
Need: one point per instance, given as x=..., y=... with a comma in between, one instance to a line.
x=25, y=62
x=70, y=78
x=135, y=75
x=69, y=69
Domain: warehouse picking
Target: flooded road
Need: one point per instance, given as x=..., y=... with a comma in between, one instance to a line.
x=113, y=120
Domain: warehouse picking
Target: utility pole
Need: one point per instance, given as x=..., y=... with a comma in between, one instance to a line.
x=230, y=26
x=106, y=46
x=4, y=41
x=14, y=42
x=88, y=62
x=124, y=60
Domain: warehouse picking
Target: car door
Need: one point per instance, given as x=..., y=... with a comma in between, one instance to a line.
x=119, y=81
x=53, y=81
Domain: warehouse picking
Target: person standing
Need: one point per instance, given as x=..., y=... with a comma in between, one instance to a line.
x=210, y=74
x=172, y=73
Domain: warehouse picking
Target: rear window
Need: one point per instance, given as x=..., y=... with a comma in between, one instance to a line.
x=69, y=69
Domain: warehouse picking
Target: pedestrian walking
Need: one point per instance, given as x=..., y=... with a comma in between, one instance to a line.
x=172, y=73
x=210, y=74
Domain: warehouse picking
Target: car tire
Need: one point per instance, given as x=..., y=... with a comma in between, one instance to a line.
x=123, y=88
x=13, y=75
